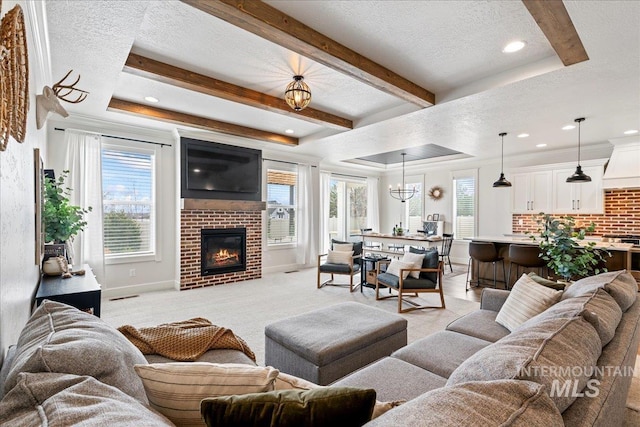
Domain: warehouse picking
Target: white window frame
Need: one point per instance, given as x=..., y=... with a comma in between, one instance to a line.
x=418, y=182
x=459, y=174
x=283, y=167
x=156, y=238
x=344, y=203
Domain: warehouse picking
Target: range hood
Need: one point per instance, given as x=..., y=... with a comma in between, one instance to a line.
x=623, y=169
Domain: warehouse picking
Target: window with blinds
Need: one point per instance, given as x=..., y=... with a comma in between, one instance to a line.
x=281, y=206
x=128, y=202
x=464, y=207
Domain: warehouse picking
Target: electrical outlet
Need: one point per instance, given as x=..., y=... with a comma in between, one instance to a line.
x=132, y=272
x=520, y=221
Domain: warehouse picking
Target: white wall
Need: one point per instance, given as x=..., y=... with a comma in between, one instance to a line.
x=19, y=272
x=158, y=273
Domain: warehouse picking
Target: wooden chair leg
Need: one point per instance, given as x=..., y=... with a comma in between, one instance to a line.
x=318, y=278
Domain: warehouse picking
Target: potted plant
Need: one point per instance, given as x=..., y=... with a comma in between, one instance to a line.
x=62, y=220
x=560, y=247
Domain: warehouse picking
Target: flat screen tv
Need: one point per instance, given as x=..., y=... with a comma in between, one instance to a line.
x=210, y=170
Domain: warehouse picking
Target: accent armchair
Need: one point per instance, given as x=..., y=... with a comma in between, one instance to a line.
x=340, y=262
x=429, y=281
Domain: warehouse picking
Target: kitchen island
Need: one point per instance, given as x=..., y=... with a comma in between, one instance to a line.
x=619, y=256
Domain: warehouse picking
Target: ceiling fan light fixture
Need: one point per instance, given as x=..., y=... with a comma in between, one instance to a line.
x=297, y=94
x=578, y=175
x=502, y=181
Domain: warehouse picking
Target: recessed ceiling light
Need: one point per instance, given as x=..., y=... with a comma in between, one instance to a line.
x=568, y=127
x=514, y=46
x=541, y=145
x=150, y=99
x=288, y=131
x=196, y=170
x=523, y=135
x=630, y=132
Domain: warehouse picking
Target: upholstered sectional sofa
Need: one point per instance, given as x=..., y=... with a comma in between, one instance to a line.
x=570, y=365
x=70, y=368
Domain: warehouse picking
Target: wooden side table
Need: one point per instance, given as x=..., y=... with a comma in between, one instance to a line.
x=82, y=292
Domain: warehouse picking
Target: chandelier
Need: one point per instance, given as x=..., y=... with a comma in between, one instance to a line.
x=297, y=94
x=402, y=193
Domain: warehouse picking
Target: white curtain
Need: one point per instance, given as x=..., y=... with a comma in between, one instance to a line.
x=325, y=189
x=307, y=246
x=83, y=161
x=373, y=207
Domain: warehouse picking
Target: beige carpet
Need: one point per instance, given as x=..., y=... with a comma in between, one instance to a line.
x=247, y=307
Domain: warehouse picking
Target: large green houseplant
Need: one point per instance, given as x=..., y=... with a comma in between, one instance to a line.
x=62, y=220
x=559, y=241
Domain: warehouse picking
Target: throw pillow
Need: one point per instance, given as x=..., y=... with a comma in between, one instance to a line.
x=526, y=299
x=416, y=260
x=357, y=246
x=621, y=285
x=343, y=247
x=396, y=265
x=431, y=260
x=507, y=403
x=338, y=257
x=545, y=282
x=60, y=338
x=326, y=406
x=176, y=389
x=45, y=399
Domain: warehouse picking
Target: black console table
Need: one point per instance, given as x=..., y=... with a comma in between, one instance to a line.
x=82, y=292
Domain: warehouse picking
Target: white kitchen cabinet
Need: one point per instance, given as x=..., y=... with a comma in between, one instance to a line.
x=574, y=198
x=532, y=192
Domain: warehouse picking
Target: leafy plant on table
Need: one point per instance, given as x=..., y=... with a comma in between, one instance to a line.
x=62, y=220
x=559, y=246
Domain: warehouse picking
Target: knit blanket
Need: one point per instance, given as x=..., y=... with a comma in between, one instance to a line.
x=185, y=341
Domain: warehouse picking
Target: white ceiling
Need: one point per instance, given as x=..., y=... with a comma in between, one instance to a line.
x=452, y=48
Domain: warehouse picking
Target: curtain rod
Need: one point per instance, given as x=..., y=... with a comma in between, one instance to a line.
x=284, y=161
x=348, y=176
x=128, y=139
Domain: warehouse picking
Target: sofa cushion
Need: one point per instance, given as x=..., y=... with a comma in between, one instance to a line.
x=480, y=324
x=60, y=338
x=393, y=379
x=442, y=352
x=431, y=260
x=176, y=389
x=544, y=352
x=599, y=309
x=527, y=299
x=46, y=400
x=326, y=406
x=477, y=404
x=621, y=285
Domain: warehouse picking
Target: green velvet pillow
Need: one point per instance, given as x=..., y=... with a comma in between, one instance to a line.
x=326, y=406
x=430, y=260
x=548, y=283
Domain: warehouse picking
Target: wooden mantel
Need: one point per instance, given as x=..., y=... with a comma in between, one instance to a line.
x=224, y=205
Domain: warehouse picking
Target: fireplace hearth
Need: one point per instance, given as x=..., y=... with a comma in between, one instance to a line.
x=223, y=250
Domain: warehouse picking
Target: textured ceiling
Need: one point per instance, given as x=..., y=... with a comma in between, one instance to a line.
x=452, y=48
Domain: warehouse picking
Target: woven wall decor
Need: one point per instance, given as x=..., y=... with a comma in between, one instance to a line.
x=15, y=77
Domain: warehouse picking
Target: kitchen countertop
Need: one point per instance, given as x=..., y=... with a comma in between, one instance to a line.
x=526, y=240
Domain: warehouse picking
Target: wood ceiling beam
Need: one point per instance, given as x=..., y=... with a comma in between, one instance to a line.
x=159, y=71
x=554, y=21
x=271, y=24
x=116, y=104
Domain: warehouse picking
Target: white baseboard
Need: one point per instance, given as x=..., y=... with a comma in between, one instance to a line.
x=125, y=291
x=281, y=268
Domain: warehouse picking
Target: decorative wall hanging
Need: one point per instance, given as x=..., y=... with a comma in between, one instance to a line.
x=15, y=77
x=48, y=101
x=435, y=193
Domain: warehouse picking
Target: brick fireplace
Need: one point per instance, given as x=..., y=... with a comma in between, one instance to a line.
x=199, y=215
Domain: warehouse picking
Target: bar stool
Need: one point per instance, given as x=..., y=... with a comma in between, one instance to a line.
x=526, y=256
x=484, y=252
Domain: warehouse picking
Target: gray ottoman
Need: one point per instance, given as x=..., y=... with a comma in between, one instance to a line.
x=324, y=345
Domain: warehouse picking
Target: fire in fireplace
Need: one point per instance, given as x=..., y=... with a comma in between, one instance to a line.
x=223, y=250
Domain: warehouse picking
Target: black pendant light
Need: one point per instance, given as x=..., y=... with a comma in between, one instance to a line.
x=502, y=181
x=578, y=175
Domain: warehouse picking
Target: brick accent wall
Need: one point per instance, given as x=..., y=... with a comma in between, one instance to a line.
x=192, y=221
x=621, y=215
